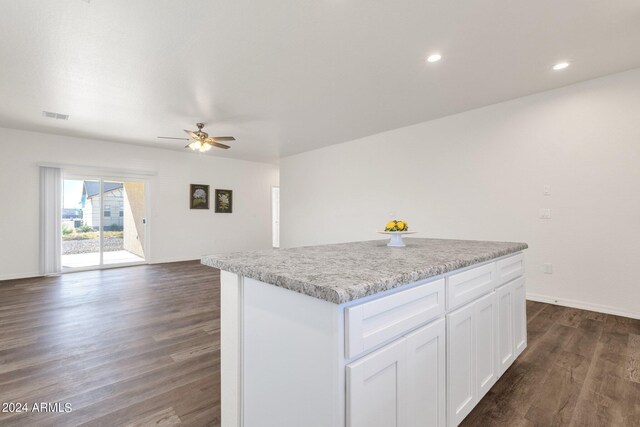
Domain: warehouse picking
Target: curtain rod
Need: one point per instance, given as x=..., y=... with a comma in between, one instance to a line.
x=99, y=169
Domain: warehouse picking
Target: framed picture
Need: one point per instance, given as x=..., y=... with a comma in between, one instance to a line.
x=199, y=196
x=224, y=201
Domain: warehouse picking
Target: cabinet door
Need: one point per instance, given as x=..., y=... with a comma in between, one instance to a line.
x=376, y=388
x=486, y=324
x=461, y=364
x=465, y=287
x=426, y=366
x=505, y=327
x=383, y=319
x=519, y=315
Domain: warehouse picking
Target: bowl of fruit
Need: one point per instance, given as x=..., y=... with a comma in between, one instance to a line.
x=396, y=229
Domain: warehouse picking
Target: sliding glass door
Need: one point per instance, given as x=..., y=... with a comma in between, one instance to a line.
x=103, y=222
x=123, y=222
x=80, y=223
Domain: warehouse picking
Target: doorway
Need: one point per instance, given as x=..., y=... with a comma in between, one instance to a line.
x=275, y=215
x=103, y=222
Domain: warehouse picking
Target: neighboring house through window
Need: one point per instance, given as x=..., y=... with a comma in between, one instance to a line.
x=110, y=204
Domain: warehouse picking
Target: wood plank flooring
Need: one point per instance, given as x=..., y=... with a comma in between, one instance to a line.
x=580, y=369
x=131, y=346
x=140, y=346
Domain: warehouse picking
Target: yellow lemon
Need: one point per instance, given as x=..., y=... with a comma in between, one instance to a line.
x=401, y=225
x=390, y=225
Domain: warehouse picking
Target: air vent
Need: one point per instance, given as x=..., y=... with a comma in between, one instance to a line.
x=56, y=116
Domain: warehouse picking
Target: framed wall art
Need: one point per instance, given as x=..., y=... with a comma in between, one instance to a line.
x=199, y=196
x=224, y=201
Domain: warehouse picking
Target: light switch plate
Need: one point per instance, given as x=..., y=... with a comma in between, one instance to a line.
x=544, y=213
x=547, y=190
x=547, y=268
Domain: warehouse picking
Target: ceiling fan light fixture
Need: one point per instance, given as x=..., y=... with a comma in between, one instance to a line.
x=200, y=141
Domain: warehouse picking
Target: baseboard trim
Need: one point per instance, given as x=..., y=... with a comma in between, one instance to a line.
x=582, y=305
x=19, y=276
x=166, y=261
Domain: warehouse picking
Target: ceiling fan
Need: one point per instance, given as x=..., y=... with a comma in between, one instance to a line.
x=201, y=141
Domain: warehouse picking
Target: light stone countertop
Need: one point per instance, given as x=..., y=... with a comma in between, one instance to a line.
x=344, y=272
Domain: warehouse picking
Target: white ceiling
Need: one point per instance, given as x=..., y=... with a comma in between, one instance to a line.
x=287, y=76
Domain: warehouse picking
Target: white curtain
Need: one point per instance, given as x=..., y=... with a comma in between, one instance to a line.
x=50, y=220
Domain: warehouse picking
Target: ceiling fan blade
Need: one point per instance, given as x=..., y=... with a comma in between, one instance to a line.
x=192, y=134
x=170, y=137
x=224, y=138
x=215, y=144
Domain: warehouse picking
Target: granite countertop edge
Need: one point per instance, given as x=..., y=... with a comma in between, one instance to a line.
x=339, y=295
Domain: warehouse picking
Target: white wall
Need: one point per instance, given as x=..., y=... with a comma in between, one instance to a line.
x=481, y=174
x=176, y=232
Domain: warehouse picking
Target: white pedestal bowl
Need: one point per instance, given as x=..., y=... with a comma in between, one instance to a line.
x=396, y=238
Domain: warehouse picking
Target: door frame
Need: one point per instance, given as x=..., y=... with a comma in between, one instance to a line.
x=273, y=187
x=81, y=175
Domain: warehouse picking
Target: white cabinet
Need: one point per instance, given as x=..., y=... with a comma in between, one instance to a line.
x=505, y=328
x=486, y=325
x=512, y=322
x=376, y=386
x=372, y=323
x=509, y=268
x=461, y=367
x=519, y=315
x=471, y=367
x=426, y=387
x=469, y=285
x=402, y=384
x=419, y=356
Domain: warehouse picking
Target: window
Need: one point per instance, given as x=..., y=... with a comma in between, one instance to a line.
x=121, y=211
x=107, y=211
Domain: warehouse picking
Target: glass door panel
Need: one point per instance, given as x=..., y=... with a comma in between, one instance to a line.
x=80, y=223
x=103, y=222
x=123, y=222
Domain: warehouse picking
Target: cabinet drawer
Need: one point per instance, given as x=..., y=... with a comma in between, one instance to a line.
x=377, y=321
x=509, y=268
x=466, y=286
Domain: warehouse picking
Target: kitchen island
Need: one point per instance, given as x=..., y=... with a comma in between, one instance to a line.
x=361, y=334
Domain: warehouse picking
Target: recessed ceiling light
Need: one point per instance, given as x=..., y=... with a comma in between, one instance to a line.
x=561, y=66
x=434, y=58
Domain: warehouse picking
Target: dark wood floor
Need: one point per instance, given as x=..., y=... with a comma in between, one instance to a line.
x=580, y=368
x=129, y=346
x=140, y=346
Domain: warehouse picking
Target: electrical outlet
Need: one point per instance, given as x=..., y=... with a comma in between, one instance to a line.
x=547, y=268
x=544, y=214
